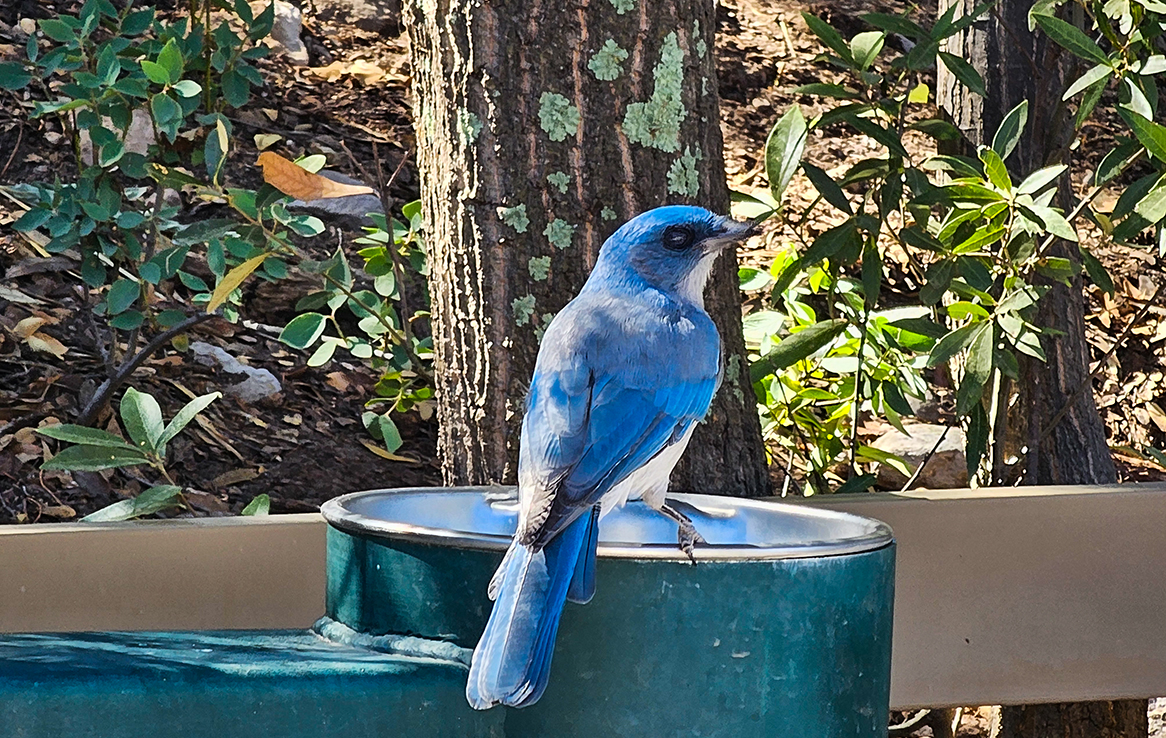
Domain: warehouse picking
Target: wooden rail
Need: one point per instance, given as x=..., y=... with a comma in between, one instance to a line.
x=1025, y=595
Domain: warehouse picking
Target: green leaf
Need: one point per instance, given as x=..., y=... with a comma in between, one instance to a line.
x=235, y=88
x=93, y=458
x=58, y=30
x=995, y=169
x=827, y=187
x=783, y=150
x=164, y=109
x=86, y=436
x=155, y=72
x=154, y=499
x=872, y=274
x=170, y=58
x=977, y=440
x=1037, y=181
x=1090, y=78
x=861, y=483
x=962, y=309
x=951, y=344
x=260, y=504
x=1097, y=272
x=32, y=220
x=886, y=137
x=824, y=89
x=1149, y=134
x=865, y=47
x=183, y=417
x=187, y=88
x=1071, y=38
x=142, y=418
x=122, y=294
x=138, y=22
x=796, y=347
x=831, y=243
x=303, y=330
x=13, y=76
x=938, y=129
x=829, y=36
x=1152, y=207
x=128, y=320
x=977, y=369
x=1008, y=134
x=896, y=24
x=964, y=72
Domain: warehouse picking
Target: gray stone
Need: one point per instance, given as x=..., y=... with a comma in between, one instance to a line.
x=259, y=383
x=285, y=31
x=350, y=212
x=947, y=468
x=138, y=136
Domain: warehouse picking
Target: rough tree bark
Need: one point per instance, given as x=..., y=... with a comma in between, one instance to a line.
x=541, y=126
x=1017, y=65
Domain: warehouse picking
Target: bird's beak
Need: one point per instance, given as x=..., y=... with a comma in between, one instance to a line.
x=731, y=233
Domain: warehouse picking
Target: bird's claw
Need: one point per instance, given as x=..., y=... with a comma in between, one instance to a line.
x=688, y=536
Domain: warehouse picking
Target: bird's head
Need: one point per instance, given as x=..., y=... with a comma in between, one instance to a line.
x=673, y=248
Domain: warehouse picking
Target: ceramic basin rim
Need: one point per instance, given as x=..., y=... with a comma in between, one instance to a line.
x=337, y=513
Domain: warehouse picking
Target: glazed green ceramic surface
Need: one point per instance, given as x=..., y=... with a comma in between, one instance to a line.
x=782, y=647
x=237, y=684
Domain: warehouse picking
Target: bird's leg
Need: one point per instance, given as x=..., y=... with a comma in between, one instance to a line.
x=686, y=534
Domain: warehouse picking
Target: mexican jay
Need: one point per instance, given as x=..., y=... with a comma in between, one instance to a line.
x=625, y=372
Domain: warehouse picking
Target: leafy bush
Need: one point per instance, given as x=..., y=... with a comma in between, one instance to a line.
x=975, y=235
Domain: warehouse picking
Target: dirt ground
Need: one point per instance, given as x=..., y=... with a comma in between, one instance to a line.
x=305, y=445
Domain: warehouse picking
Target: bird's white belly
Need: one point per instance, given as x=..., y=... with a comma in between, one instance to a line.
x=650, y=481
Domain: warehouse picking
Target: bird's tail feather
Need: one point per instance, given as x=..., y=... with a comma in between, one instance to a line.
x=582, y=587
x=512, y=662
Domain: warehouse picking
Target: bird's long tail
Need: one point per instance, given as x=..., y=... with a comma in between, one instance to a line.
x=512, y=662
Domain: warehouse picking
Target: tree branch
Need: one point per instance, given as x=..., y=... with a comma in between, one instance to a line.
x=111, y=385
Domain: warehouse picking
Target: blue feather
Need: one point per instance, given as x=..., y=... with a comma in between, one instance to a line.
x=582, y=587
x=512, y=662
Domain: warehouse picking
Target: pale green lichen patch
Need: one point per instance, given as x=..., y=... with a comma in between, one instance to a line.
x=682, y=175
x=559, y=232
x=608, y=214
x=733, y=376
x=523, y=308
x=560, y=180
x=656, y=123
x=605, y=65
x=469, y=126
x=540, y=267
x=701, y=47
x=623, y=6
x=515, y=217
x=558, y=117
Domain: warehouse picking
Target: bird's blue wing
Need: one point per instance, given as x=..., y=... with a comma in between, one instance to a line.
x=595, y=416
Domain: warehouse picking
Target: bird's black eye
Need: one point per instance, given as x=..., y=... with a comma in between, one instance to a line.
x=677, y=238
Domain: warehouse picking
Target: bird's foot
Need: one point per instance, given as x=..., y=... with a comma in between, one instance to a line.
x=687, y=536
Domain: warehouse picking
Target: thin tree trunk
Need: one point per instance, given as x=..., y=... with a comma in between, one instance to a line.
x=1017, y=65
x=542, y=126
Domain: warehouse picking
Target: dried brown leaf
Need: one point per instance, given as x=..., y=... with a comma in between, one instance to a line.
x=292, y=179
x=46, y=344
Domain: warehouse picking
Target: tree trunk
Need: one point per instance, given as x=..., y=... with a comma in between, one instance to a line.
x=1017, y=65
x=541, y=127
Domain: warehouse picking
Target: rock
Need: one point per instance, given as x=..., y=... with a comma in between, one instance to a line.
x=285, y=31
x=138, y=137
x=349, y=212
x=259, y=384
x=947, y=468
x=378, y=16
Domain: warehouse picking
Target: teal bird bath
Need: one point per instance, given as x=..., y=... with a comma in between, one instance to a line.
x=782, y=628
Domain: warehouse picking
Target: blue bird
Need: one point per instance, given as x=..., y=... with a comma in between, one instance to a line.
x=625, y=372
